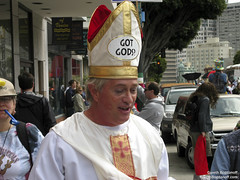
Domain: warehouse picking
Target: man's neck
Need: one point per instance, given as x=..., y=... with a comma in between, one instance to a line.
x=27, y=90
x=152, y=97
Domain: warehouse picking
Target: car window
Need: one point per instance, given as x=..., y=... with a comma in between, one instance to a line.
x=174, y=95
x=180, y=105
x=227, y=107
x=165, y=91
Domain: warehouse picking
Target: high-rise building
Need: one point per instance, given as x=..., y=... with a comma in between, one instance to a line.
x=228, y=26
x=170, y=74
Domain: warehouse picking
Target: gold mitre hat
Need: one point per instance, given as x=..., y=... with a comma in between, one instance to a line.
x=114, y=42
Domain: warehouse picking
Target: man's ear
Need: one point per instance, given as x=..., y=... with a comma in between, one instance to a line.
x=94, y=92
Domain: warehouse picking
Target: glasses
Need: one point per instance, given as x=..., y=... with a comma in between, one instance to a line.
x=6, y=99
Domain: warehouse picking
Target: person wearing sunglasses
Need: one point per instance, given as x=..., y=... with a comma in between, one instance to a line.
x=153, y=109
x=15, y=161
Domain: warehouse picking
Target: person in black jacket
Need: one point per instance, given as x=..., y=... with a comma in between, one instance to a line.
x=70, y=92
x=33, y=108
x=207, y=97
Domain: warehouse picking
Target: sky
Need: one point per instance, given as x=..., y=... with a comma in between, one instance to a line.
x=233, y=1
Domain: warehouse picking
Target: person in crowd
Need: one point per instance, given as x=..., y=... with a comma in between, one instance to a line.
x=78, y=101
x=207, y=97
x=226, y=161
x=230, y=87
x=62, y=99
x=141, y=98
x=236, y=90
x=84, y=97
x=70, y=92
x=33, y=108
x=153, y=109
x=219, y=78
x=15, y=160
x=237, y=126
x=106, y=141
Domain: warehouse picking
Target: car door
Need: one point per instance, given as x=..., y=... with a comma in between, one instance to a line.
x=183, y=125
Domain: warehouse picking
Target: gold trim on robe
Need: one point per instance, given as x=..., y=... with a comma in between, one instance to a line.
x=122, y=156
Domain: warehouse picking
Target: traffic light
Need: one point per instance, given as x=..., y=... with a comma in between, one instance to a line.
x=158, y=66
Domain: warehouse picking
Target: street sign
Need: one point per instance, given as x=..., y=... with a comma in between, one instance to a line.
x=116, y=1
x=61, y=30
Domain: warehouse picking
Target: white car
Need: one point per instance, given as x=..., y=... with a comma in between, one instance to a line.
x=169, y=107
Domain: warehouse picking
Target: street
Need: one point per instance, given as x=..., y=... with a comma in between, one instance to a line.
x=178, y=167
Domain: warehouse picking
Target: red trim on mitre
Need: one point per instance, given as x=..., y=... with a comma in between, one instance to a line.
x=98, y=18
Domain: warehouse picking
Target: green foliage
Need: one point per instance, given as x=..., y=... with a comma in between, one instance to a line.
x=85, y=78
x=156, y=70
x=236, y=59
x=181, y=39
x=173, y=24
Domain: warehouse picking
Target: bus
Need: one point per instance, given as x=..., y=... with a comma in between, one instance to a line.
x=233, y=71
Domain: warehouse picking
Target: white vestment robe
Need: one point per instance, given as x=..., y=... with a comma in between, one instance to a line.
x=79, y=149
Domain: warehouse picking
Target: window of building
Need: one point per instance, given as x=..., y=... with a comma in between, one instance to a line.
x=25, y=40
x=6, y=58
x=56, y=83
x=76, y=70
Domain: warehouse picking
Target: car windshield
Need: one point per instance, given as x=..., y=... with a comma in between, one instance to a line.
x=174, y=95
x=227, y=106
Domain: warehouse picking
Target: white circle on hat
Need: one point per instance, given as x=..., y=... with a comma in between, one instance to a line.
x=124, y=48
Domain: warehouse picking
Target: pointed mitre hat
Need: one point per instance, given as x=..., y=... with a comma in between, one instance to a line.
x=114, y=42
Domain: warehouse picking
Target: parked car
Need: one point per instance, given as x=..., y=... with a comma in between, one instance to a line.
x=164, y=88
x=169, y=107
x=224, y=117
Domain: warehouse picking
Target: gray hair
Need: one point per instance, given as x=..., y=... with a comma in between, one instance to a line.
x=98, y=86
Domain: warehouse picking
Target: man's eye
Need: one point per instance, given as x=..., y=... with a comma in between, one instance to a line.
x=119, y=91
x=134, y=91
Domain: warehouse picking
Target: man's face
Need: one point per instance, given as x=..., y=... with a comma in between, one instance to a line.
x=116, y=100
x=9, y=104
x=74, y=85
x=147, y=92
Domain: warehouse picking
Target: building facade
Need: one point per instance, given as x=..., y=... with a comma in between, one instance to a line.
x=170, y=74
x=204, y=54
x=26, y=45
x=228, y=25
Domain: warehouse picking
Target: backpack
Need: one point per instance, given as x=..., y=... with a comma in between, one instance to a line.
x=192, y=109
x=218, y=82
x=23, y=137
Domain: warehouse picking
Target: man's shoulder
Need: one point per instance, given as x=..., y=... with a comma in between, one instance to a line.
x=147, y=130
x=28, y=98
x=232, y=135
x=142, y=123
x=223, y=75
x=211, y=76
x=156, y=102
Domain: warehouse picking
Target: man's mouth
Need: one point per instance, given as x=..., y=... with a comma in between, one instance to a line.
x=124, y=108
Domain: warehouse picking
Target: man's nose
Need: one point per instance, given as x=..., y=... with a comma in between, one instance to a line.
x=128, y=97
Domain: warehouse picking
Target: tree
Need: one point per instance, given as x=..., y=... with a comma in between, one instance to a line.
x=156, y=69
x=236, y=59
x=173, y=24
